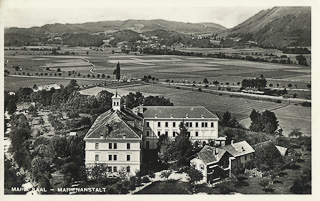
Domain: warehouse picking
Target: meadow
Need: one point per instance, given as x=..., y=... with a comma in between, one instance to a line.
x=169, y=67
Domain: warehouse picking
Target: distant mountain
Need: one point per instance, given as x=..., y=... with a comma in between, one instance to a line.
x=75, y=34
x=277, y=27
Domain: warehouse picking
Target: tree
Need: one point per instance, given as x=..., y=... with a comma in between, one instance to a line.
x=226, y=118
x=266, y=122
x=289, y=85
x=309, y=86
x=98, y=172
x=166, y=147
x=205, y=81
x=40, y=168
x=295, y=132
x=182, y=146
x=118, y=71
x=58, y=69
x=165, y=174
x=194, y=176
x=11, y=107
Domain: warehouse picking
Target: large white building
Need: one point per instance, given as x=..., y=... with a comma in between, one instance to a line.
x=158, y=120
x=115, y=139
x=118, y=136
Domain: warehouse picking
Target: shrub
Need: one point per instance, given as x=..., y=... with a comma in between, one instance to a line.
x=145, y=179
x=225, y=187
x=152, y=175
x=199, y=89
x=138, y=181
x=306, y=104
x=278, y=101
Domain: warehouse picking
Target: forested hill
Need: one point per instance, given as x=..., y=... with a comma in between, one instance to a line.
x=277, y=27
x=96, y=32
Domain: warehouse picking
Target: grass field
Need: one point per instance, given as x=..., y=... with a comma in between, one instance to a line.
x=177, y=68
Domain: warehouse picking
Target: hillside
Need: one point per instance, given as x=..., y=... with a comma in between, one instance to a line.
x=277, y=27
x=70, y=32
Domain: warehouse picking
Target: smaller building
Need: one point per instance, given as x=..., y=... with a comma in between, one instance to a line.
x=242, y=154
x=212, y=162
x=216, y=163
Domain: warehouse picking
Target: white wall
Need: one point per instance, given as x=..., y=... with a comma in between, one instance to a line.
x=204, y=133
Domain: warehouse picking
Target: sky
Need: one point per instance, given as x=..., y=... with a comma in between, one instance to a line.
x=28, y=13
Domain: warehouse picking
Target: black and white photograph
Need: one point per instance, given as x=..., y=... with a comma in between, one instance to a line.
x=158, y=98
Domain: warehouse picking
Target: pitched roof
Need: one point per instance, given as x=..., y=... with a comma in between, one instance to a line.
x=207, y=154
x=113, y=124
x=239, y=148
x=177, y=112
x=282, y=150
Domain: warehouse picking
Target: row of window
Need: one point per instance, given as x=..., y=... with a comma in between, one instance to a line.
x=173, y=133
x=115, y=146
x=115, y=169
x=115, y=157
x=188, y=124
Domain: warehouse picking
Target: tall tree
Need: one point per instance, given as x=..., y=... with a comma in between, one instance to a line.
x=11, y=107
x=118, y=71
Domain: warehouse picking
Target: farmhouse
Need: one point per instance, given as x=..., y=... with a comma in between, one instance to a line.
x=212, y=162
x=118, y=135
x=216, y=163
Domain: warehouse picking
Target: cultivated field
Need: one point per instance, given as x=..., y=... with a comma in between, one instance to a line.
x=163, y=67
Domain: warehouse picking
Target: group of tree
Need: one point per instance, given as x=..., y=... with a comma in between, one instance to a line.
x=229, y=121
x=258, y=83
x=175, y=151
x=135, y=99
x=263, y=122
x=147, y=78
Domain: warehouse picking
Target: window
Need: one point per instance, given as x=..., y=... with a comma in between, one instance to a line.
x=189, y=133
x=96, y=158
x=148, y=133
x=159, y=133
x=174, y=124
x=187, y=124
x=110, y=157
x=114, y=157
x=109, y=169
x=128, y=145
x=110, y=145
x=148, y=124
x=166, y=124
x=245, y=158
x=212, y=124
x=166, y=133
x=197, y=124
x=128, y=157
x=147, y=145
x=190, y=124
x=128, y=168
x=159, y=124
x=115, y=169
x=96, y=146
x=204, y=124
x=174, y=134
x=115, y=146
x=197, y=134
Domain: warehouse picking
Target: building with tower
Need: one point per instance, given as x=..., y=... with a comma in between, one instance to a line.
x=118, y=136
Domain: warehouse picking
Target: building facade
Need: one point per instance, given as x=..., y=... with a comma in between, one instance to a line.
x=115, y=139
x=158, y=120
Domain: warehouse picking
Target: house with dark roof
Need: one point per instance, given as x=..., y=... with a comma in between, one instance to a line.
x=158, y=120
x=212, y=162
x=115, y=139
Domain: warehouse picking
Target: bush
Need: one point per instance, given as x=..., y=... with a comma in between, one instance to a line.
x=145, y=180
x=225, y=187
x=138, y=181
x=199, y=89
x=306, y=104
x=152, y=175
x=278, y=101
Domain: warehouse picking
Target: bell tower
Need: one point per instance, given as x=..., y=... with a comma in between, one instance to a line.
x=116, y=101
